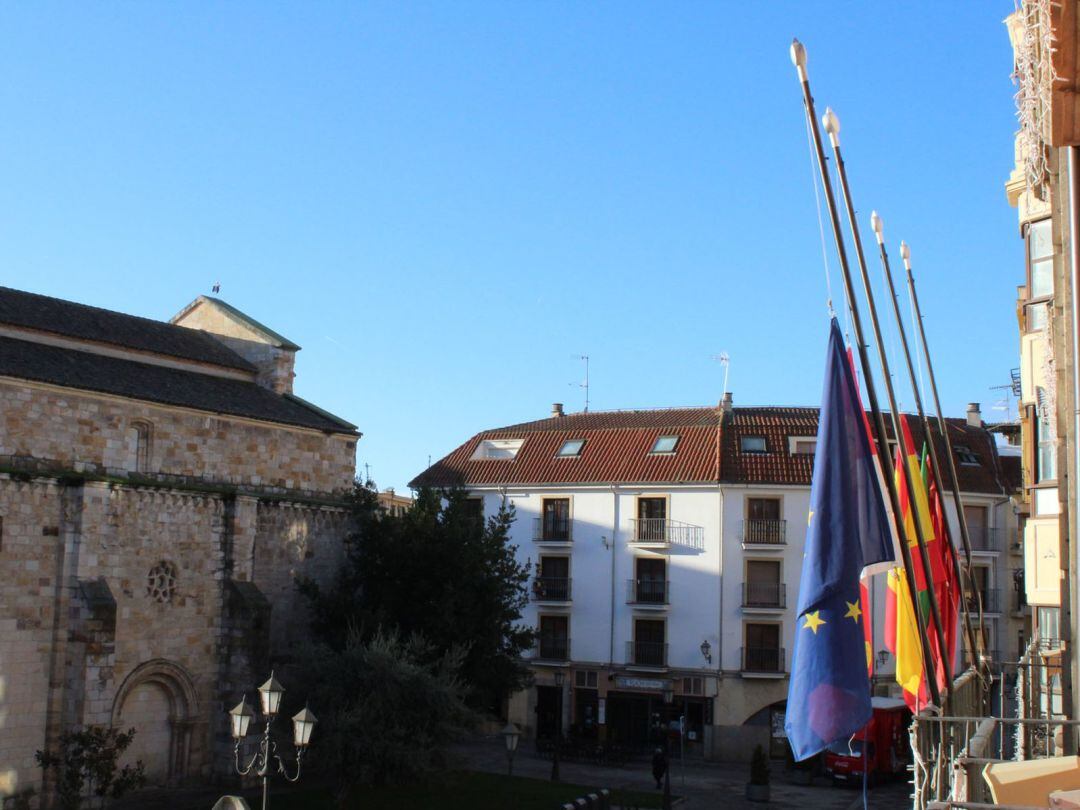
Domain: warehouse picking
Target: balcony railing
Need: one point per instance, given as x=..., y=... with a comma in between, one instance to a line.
x=648, y=591
x=758, y=532
x=1019, y=601
x=551, y=589
x=991, y=601
x=764, y=595
x=553, y=648
x=984, y=539
x=552, y=530
x=763, y=659
x=666, y=532
x=646, y=653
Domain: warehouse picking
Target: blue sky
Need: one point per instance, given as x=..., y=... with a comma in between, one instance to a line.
x=446, y=204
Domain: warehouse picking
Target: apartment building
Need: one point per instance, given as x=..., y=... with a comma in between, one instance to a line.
x=666, y=547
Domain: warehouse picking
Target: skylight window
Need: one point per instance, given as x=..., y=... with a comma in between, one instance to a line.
x=966, y=456
x=571, y=448
x=752, y=444
x=496, y=449
x=803, y=445
x=665, y=444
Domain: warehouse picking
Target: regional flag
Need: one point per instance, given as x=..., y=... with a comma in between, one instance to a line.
x=847, y=529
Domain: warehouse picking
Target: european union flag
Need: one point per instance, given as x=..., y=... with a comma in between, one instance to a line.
x=847, y=529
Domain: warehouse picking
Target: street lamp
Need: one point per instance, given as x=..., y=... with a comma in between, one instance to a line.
x=265, y=758
x=511, y=735
x=706, y=651
x=560, y=678
x=669, y=696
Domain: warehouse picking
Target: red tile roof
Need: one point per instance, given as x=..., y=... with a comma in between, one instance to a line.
x=617, y=445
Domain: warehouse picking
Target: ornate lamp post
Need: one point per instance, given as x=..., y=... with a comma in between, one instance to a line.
x=560, y=677
x=669, y=696
x=511, y=735
x=265, y=759
x=706, y=651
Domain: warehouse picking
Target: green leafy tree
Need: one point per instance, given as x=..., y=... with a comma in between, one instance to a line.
x=86, y=762
x=439, y=572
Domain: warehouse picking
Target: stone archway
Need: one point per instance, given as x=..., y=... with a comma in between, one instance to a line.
x=159, y=701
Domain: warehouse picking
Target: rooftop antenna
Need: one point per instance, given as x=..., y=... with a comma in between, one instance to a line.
x=367, y=473
x=217, y=287
x=1006, y=400
x=585, y=384
x=723, y=359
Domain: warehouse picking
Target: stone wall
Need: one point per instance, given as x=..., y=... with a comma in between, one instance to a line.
x=81, y=431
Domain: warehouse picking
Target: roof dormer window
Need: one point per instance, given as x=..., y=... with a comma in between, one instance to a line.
x=966, y=456
x=802, y=445
x=665, y=444
x=753, y=444
x=497, y=449
x=571, y=448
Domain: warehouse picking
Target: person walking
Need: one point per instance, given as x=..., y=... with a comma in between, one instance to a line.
x=659, y=767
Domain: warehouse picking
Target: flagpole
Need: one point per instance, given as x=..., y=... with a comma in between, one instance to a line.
x=798, y=58
x=935, y=465
x=954, y=480
x=832, y=126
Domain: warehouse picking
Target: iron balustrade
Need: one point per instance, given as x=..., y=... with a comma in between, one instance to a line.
x=552, y=530
x=984, y=538
x=760, y=532
x=553, y=648
x=646, y=653
x=648, y=591
x=551, y=589
x=763, y=659
x=764, y=594
x=664, y=531
x=991, y=601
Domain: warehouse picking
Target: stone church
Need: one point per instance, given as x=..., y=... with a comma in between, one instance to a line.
x=160, y=489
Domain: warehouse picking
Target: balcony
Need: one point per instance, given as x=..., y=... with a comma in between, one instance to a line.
x=1019, y=601
x=991, y=601
x=648, y=592
x=646, y=654
x=984, y=539
x=551, y=589
x=765, y=595
x=763, y=660
x=662, y=532
x=555, y=649
x=769, y=533
x=548, y=530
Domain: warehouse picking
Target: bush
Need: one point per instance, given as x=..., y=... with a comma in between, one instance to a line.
x=759, y=767
x=85, y=762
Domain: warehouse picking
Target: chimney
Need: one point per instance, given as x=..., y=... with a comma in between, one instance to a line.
x=556, y=410
x=725, y=404
x=974, y=415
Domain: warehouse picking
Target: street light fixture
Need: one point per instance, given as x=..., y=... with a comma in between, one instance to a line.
x=706, y=651
x=511, y=735
x=560, y=679
x=265, y=759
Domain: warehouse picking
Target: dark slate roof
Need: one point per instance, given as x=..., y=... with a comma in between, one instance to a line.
x=617, y=445
x=126, y=378
x=82, y=322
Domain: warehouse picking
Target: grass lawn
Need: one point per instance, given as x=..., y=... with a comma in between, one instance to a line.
x=460, y=790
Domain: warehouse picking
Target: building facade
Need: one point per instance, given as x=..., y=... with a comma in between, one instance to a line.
x=666, y=548
x=160, y=489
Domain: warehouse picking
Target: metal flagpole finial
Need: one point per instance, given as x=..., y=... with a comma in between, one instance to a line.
x=878, y=226
x=905, y=254
x=798, y=58
x=831, y=124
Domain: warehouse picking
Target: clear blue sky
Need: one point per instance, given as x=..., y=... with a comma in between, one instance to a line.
x=446, y=204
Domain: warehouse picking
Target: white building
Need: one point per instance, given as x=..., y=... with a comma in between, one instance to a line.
x=667, y=550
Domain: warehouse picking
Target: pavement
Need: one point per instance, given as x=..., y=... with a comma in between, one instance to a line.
x=700, y=785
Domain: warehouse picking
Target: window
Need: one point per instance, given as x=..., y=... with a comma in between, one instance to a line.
x=651, y=519
x=474, y=509
x=138, y=446
x=1040, y=260
x=966, y=455
x=571, y=448
x=665, y=444
x=649, y=649
x=762, y=651
x=763, y=587
x=1048, y=620
x=1046, y=454
x=693, y=686
x=1036, y=317
x=753, y=444
x=555, y=638
x=556, y=520
x=497, y=449
x=585, y=679
x=552, y=579
x=650, y=585
x=803, y=445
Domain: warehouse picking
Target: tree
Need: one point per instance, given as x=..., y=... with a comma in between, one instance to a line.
x=388, y=708
x=439, y=572
x=85, y=762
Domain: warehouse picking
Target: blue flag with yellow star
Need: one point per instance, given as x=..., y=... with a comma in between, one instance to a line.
x=847, y=529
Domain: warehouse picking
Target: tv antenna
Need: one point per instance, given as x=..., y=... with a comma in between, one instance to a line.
x=723, y=359
x=1005, y=403
x=584, y=384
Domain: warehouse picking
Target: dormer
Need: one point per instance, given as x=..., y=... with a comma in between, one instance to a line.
x=272, y=354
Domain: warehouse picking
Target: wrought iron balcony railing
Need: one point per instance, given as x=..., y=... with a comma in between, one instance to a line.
x=552, y=530
x=984, y=539
x=646, y=653
x=667, y=532
x=764, y=595
x=758, y=532
x=991, y=601
x=553, y=648
x=763, y=659
x=648, y=591
x=551, y=589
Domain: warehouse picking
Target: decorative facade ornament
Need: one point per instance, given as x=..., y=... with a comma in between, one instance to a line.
x=161, y=582
x=1034, y=76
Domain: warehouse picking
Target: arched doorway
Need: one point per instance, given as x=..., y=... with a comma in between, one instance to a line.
x=159, y=701
x=770, y=720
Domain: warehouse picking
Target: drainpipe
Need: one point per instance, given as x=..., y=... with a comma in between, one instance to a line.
x=1069, y=585
x=720, y=577
x=614, y=534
